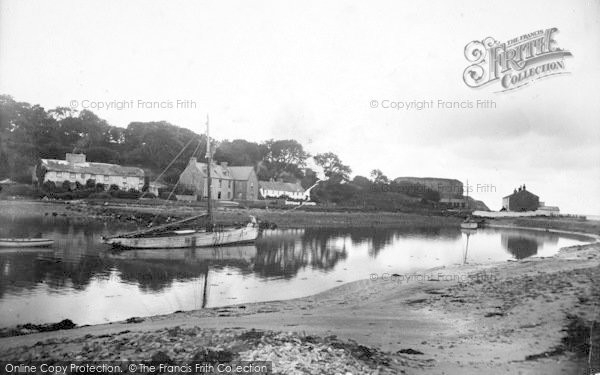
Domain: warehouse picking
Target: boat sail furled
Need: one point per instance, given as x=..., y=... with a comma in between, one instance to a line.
x=176, y=235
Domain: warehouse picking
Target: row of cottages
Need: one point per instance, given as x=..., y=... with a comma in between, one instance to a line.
x=76, y=169
x=279, y=189
x=227, y=183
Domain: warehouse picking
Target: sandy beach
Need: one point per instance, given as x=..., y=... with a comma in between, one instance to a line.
x=530, y=316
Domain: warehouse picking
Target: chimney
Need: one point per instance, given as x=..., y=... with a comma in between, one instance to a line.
x=193, y=160
x=75, y=158
x=523, y=186
x=224, y=164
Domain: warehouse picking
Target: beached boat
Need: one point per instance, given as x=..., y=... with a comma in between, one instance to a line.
x=185, y=234
x=25, y=242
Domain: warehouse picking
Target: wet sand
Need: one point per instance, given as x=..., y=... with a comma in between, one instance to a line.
x=529, y=316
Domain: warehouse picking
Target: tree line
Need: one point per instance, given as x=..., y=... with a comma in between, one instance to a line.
x=30, y=132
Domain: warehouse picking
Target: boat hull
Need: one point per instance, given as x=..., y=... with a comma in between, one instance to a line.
x=469, y=225
x=33, y=242
x=180, y=241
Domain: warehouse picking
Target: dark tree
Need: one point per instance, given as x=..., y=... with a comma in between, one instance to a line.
x=333, y=167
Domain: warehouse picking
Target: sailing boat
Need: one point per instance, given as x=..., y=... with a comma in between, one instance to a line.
x=175, y=235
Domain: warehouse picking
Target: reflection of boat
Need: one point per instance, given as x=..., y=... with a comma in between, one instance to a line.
x=25, y=242
x=174, y=235
x=247, y=252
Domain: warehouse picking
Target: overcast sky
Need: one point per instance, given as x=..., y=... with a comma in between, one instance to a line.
x=309, y=71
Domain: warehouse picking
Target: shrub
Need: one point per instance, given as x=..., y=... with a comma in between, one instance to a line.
x=90, y=183
x=49, y=186
x=100, y=187
x=100, y=195
x=113, y=187
x=121, y=194
x=66, y=185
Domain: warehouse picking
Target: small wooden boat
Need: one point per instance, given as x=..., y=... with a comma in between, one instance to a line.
x=25, y=242
x=469, y=224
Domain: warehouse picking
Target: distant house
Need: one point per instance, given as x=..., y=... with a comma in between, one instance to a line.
x=278, y=189
x=521, y=200
x=227, y=183
x=76, y=169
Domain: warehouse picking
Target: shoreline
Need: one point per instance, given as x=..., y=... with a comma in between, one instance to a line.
x=394, y=320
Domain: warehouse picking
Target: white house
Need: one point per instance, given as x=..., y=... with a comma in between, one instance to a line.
x=75, y=169
x=278, y=189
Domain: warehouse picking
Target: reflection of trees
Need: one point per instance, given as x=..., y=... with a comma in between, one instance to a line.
x=27, y=270
x=284, y=253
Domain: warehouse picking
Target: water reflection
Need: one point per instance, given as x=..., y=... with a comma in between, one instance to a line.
x=523, y=244
x=155, y=270
x=79, y=278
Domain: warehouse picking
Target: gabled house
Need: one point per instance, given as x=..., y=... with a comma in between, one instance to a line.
x=521, y=200
x=227, y=183
x=76, y=169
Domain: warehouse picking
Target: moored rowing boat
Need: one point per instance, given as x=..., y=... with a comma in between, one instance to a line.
x=25, y=242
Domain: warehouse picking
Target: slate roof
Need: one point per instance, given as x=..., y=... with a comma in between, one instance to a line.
x=226, y=173
x=91, y=168
x=281, y=186
x=241, y=173
x=521, y=192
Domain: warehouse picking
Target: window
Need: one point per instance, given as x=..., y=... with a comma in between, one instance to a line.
x=219, y=182
x=83, y=175
x=72, y=176
x=229, y=184
x=228, y=195
x=105, y=178
x=58, y=174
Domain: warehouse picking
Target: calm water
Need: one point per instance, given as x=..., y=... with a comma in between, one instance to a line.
x=81, y=279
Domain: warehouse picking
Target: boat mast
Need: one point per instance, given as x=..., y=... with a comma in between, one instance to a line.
x=467, y=199
x=209, y=226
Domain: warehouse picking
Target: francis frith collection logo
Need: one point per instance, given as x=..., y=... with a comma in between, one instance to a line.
x=515, y=63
